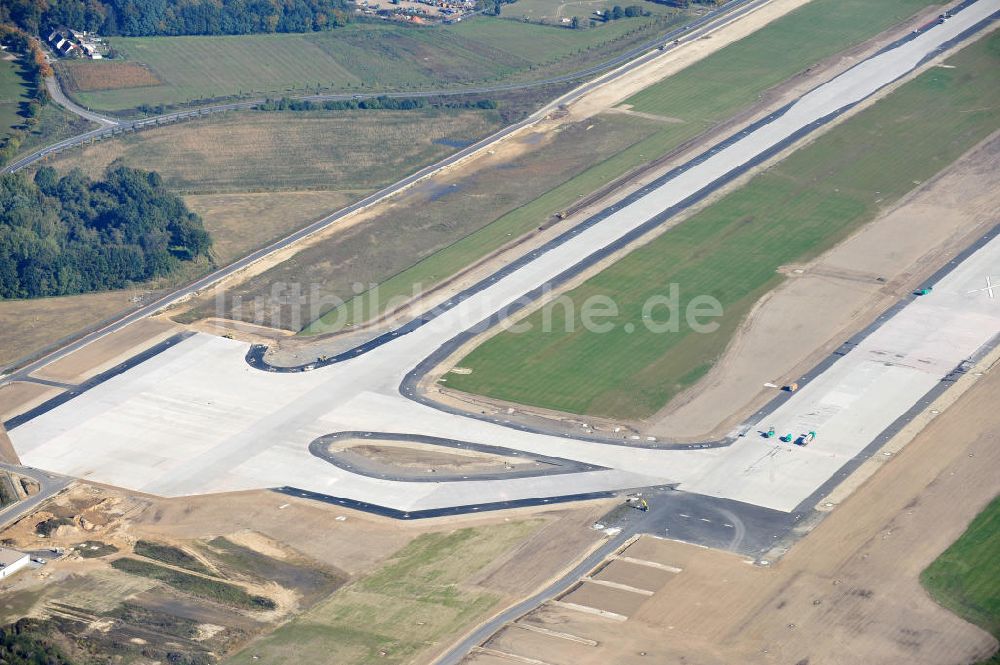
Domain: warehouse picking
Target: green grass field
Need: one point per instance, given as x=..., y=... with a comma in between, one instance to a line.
x=202, y=587
x=696, y=97
x=732, y=250
x=413, y=601
x=362, y=57
x=964, y=578
x=715, y=87
x=13, y=91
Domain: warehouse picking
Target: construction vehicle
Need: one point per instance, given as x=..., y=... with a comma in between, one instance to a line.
x=923, y=292
x=787, y=438
x=805, y=439
x=790, y=388
x=769, y=434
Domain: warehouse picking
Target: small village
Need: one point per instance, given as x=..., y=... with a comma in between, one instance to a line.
x=420, y=12
x=69, y=43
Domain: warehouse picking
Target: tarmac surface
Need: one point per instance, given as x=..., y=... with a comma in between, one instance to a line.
x=197, y=417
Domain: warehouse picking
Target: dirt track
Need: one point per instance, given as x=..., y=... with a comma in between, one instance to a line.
x=847, y=593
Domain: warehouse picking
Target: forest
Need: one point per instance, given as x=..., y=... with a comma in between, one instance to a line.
x=136, y=18
x=69, y=234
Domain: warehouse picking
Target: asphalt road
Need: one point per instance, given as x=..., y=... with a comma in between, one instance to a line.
x=729, y=12
x=50, y=484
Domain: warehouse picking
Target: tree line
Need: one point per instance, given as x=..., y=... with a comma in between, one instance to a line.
x=138, y=18
x=34, y=67
x=68, y=234
x=372, y=103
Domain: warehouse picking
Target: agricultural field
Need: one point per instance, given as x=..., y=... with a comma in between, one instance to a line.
x=964, y=578
x=354, y=151
x=89, y=75
x=732, y=250
x=420, y=596
x=360, y=57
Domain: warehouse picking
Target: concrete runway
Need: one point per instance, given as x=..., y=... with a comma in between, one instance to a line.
x=196, y=418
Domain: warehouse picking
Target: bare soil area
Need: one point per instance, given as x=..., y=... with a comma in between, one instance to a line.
x=825, y=302
x=20, y=396
x=28, y=326
x=242, y=222
x=847, y=593
x=410, y=457
x=108, y=351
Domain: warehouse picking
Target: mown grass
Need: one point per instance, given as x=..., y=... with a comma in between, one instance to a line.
x=713, y=88
x=965, y=578
x=787, y=46
x=13, y=91
x=731, y=250
x=413, y=601
x=202, y=587
x=361, y=57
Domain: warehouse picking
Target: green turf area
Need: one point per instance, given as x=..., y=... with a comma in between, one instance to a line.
x=713, y=88
x=788, y=46
x=54, y=124
x=415, y=600
x=202, y=587
x=731, y=250
x=13, y=91
x=363, y=57
x=965, y=578
x=169, y=555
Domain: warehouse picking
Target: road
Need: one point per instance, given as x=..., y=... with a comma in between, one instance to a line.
x=49, y=485
x=60, y=98
x=713, y=21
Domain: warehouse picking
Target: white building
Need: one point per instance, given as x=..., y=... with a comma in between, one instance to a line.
x=12, y=561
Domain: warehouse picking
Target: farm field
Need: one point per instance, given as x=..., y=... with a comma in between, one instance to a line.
x=715, y=87
x=431, y=216
x=964, y=578
x=359, y=57
x=733, y=249
x=419, y=597
x=271, y=151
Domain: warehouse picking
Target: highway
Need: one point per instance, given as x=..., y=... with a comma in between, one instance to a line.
x=713, y=21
